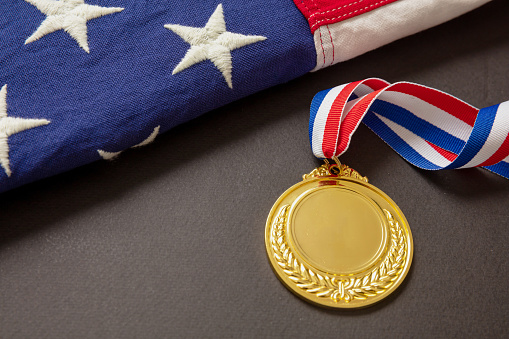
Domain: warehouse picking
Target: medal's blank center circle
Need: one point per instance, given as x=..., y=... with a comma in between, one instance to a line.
x=338, y=230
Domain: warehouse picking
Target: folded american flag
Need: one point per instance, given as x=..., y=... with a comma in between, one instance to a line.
x=82, y=80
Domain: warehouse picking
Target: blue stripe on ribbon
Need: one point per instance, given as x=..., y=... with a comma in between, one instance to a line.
x=315, y=105
x=480, y=133
x=418, y=126
x=397, y=143
x=502, y=169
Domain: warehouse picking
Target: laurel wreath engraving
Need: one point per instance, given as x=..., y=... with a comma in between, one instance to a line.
x=369, y=285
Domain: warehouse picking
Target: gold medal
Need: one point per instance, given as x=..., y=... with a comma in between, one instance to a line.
x=335, y=240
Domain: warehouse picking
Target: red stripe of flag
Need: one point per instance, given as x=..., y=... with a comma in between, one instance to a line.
x=325, y=12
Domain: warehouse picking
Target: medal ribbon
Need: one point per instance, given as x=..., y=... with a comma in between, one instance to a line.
x=429, y=128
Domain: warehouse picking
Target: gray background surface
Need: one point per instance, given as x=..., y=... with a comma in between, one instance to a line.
x=168, y=240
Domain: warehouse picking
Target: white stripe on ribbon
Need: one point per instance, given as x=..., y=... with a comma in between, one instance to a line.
x=429, y=113
x=417, y=143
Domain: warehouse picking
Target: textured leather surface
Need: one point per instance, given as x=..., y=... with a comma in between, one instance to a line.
x=168, y=240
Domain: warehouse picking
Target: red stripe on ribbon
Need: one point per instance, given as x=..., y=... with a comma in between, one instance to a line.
x=330, y=133
x=353, y=119
x=499, y=155
x=445, y=153
x=444, y=101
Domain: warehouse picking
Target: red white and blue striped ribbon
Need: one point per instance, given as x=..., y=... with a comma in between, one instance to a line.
x=429, y=128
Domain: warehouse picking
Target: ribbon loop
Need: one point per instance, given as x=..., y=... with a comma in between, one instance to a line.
x=429, y=128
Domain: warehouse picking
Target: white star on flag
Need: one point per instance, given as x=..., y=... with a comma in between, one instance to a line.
x=112, y=155
x=10, y=126
x=212, y=42
x=69, y=15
